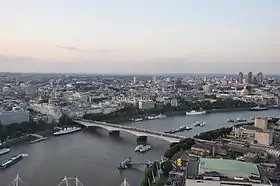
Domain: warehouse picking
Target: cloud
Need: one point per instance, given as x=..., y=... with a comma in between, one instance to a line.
x=156, y=66
x=69, y=48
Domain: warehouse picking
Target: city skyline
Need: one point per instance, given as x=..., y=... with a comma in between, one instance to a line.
x=140, y=37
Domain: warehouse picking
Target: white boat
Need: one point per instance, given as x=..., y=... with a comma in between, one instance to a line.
x=138, y=148
x=145, y=148
x=4, y=151
x=193, y=112
x=188, y=127
x=160, y=116
x=138, y=119
x=240, y=120
x=67, y=131
x=202, y=124
x=229, y=120
x=151, y=117
x=197, y=123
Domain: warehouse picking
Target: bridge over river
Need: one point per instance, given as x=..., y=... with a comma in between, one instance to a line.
x=141, y=133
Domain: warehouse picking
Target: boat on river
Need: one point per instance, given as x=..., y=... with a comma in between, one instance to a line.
x=137, y=119
x=160, y=116
x=240, y=120
x=258, y=108
x=193, y=112
x=138, y=147
x=4, y=151
x=202, y=124
x=145, y=148
x=11, y=161
x=67, y=131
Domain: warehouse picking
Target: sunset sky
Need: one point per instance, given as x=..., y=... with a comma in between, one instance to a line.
x=137, y=36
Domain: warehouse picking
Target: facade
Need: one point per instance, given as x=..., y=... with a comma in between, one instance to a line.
x=261, y=123
x=174, y=102
x=260, y=77
x=147, y=104
x=264, y=138
x=250, y=77
x=240, y=78
x=9, y=117
x=224, y=172
x=207, y=89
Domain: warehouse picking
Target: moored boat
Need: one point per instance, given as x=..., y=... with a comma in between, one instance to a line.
x=196, y=124
x=188, y=127
x=138, y=147
x=67, y=131
x=193, y=112
x=258, y=108
x=145, y=148
x=202, y=124
x=4, y=151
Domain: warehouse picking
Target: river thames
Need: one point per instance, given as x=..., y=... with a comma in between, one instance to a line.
x=94, y=157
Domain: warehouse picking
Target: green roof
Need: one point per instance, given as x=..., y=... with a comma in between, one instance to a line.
x=208, y=164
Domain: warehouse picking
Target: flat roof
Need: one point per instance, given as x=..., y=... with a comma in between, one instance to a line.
x=232, y=168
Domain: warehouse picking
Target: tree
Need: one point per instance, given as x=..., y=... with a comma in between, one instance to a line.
x=145, y=182
x=167, y=167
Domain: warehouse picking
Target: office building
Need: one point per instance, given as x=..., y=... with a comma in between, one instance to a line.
x=240, y=78
x=207, y=89
x=249, y=77
x=264, y=138
x=260, y=77
x=16, y=115
x=146, y=104
x=261, y=123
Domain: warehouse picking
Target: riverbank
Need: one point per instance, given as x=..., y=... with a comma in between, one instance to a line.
x=180, y=113
x=25, y=139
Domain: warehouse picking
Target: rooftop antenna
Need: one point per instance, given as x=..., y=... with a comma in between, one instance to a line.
x=65, y=181
x=16, y=181
x=125, y=183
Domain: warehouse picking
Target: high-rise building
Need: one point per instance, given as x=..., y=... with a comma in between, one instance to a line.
x=154, y=79
x=250, y=77
x=240, y=77
x=134, y=80
x=260, y=77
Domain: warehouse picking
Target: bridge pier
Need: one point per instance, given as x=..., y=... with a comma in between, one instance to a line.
x=114, y=133
x=141, y=140
x=92, y=129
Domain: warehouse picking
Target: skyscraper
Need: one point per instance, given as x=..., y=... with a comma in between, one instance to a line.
x=240, y=77
x=260, y=77
x=250, y=77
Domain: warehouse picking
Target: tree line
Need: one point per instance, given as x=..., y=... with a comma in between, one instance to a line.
x=130, y=111
x=15, y=130
x=187, y=143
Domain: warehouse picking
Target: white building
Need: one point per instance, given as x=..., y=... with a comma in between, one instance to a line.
x=208, y=88
x=15, y=116
x=147, y=104
x=174, y=102
x=30, y=89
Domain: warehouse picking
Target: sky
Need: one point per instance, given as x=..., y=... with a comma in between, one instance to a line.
x=140, y=36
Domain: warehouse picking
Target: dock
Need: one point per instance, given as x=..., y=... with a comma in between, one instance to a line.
x=128, y=163
x=38, y=138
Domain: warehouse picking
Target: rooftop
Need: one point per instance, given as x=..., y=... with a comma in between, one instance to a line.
x=225, y=170
x=230, y=167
